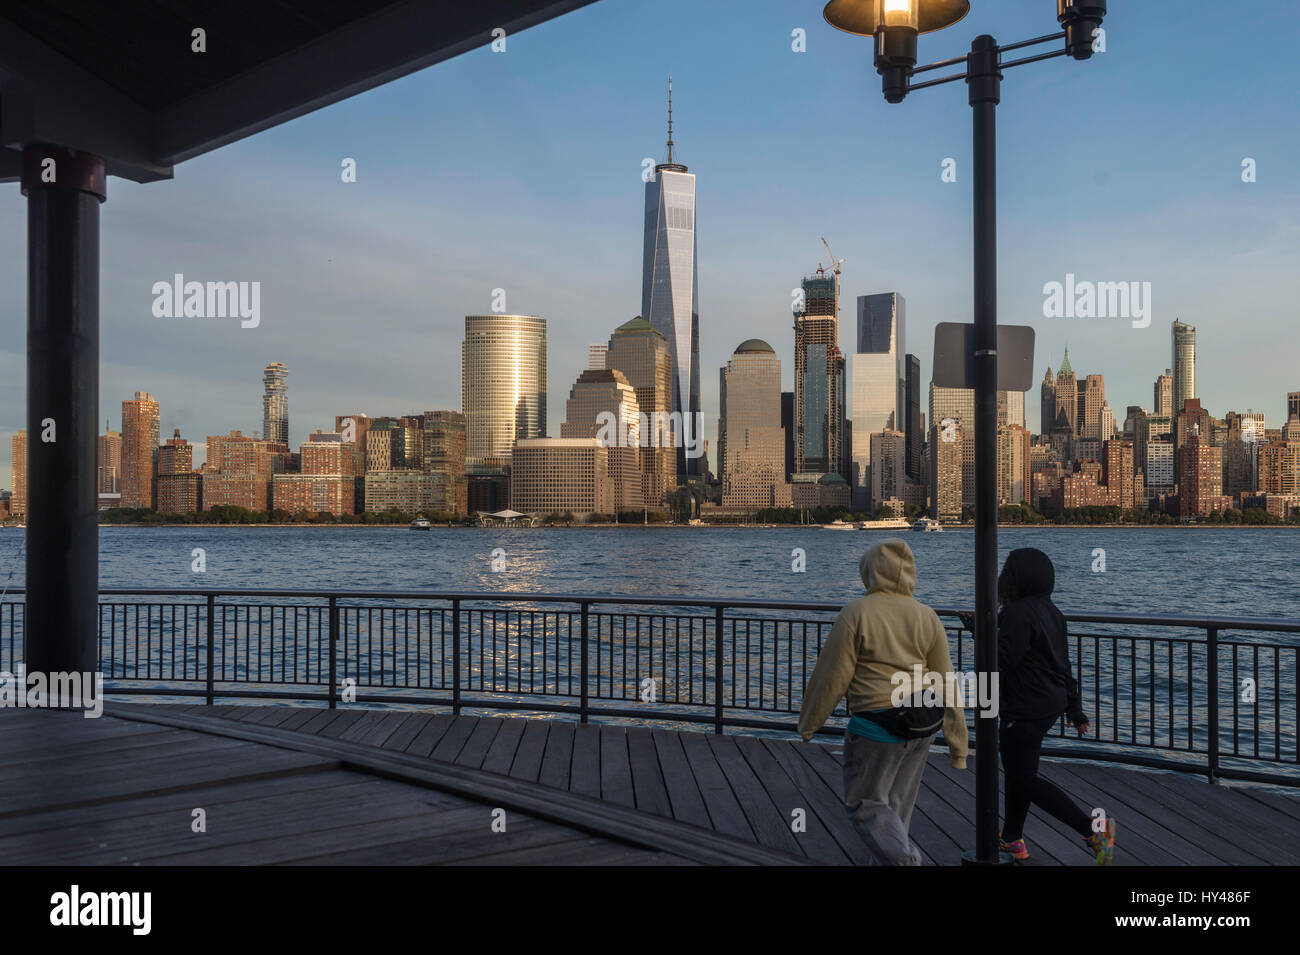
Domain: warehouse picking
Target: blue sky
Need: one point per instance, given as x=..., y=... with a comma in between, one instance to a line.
x=522, y=170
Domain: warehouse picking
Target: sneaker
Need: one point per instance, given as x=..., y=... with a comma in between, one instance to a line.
x=1018, y=849
x=1102, y=844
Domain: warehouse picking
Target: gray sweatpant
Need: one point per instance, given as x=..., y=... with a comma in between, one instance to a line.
x=881, y=781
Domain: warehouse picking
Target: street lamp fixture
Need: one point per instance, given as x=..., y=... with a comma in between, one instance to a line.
x=895, y=25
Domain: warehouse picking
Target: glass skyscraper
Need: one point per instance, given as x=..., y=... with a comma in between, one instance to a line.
x=502, y=386
x=1184, y=349
x=879, y=375
x=669, y=286
x=275, y=403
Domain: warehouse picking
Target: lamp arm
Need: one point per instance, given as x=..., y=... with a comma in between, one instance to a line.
x=940, y=64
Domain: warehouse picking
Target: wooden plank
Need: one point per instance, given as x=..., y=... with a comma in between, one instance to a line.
x=428, y=737
x=479, y=742
x=826, y=805
x=301, y=839
x=337, y=726
x=725, y=814
x=584, y=772
x=453, y=741
x=182, y=800
x=685, y=802
x=647, y=777
x=578, y=851
x=124, y=840
x=558, y=756
x=407, y=732
x=303, y=715
x=615, y=767
x=502, y=752
x=522, y=833
x=766, y=818
x=532, y=747
x=814, y=842
x=55, y=751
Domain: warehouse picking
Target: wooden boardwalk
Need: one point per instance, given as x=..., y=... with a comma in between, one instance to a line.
x=748, y=787
x=355, y=785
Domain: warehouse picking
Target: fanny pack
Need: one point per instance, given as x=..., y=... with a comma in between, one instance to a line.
x=915, y=719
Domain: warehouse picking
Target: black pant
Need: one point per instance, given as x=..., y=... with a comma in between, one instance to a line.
x=1021, y=742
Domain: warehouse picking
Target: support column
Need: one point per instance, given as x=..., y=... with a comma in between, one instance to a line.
x=984, y=89
x=64, y=190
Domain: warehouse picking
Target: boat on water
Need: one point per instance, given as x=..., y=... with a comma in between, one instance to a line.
x=927, y=524
x=839, y=525
x=421, y=524
x=888, y=524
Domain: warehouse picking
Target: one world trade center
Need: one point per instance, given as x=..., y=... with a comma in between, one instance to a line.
x=669, y=291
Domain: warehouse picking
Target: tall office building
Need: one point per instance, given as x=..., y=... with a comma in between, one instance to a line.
x=275, y=403
x=602, y=404
x=178, y=482
x=1164, y=394
x=641, y=353
x=753, y=442
x=879, y=375
x=18, y=460
x=1047, y=403
x=1292, y=405
x=819, y=379
x=915, y=435
x=670, y=286
x=888, y=467
x=502, y=386
x=1105, y=423
x=139, y=450
x=1091, y=399
x=109, y=461
x=1011, y=408
x=952, y=413
x=1184, y=351
x=788, y=423
x=946, y=467
x=1067, y=396
x=1014, y=486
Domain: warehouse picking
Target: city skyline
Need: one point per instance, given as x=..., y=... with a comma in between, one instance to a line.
x=349, y=285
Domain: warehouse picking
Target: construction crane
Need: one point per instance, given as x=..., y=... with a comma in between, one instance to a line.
x=835, y=266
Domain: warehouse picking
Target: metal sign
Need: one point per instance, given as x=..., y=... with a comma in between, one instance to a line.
x=954, y=364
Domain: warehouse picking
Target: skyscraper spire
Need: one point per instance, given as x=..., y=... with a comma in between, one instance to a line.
x=670, y=117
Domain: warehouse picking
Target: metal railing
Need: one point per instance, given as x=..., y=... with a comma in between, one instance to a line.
x=1170, y=692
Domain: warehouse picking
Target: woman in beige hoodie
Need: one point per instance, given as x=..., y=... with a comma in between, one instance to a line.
x=873, y=649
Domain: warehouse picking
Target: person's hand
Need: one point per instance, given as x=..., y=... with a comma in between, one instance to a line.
x=967, y=621
x=1081, y=724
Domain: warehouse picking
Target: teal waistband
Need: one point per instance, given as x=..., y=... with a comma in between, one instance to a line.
x=869, y=730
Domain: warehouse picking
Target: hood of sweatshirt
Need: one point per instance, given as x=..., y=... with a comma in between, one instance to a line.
x=1030, y=572
x=888, y=567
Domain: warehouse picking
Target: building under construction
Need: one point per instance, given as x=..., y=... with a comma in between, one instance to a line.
x=819, y=385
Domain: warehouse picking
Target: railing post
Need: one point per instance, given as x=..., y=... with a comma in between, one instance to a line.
x=1212, y=693
x=455, y=657
x=212, y=610
x=717, y=670
x=333, y=638
x=585, y=697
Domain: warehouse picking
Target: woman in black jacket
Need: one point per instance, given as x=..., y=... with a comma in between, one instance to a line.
x=1036, y=687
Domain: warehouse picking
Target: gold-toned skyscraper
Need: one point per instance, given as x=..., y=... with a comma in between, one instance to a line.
x=139, y=450
x=502, y=385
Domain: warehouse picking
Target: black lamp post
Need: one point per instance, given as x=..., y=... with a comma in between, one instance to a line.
x=895, y=24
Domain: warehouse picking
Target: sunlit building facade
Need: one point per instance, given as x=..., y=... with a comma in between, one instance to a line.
x=503, y=385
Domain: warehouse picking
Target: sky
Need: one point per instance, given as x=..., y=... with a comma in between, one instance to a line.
x=521, y=170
